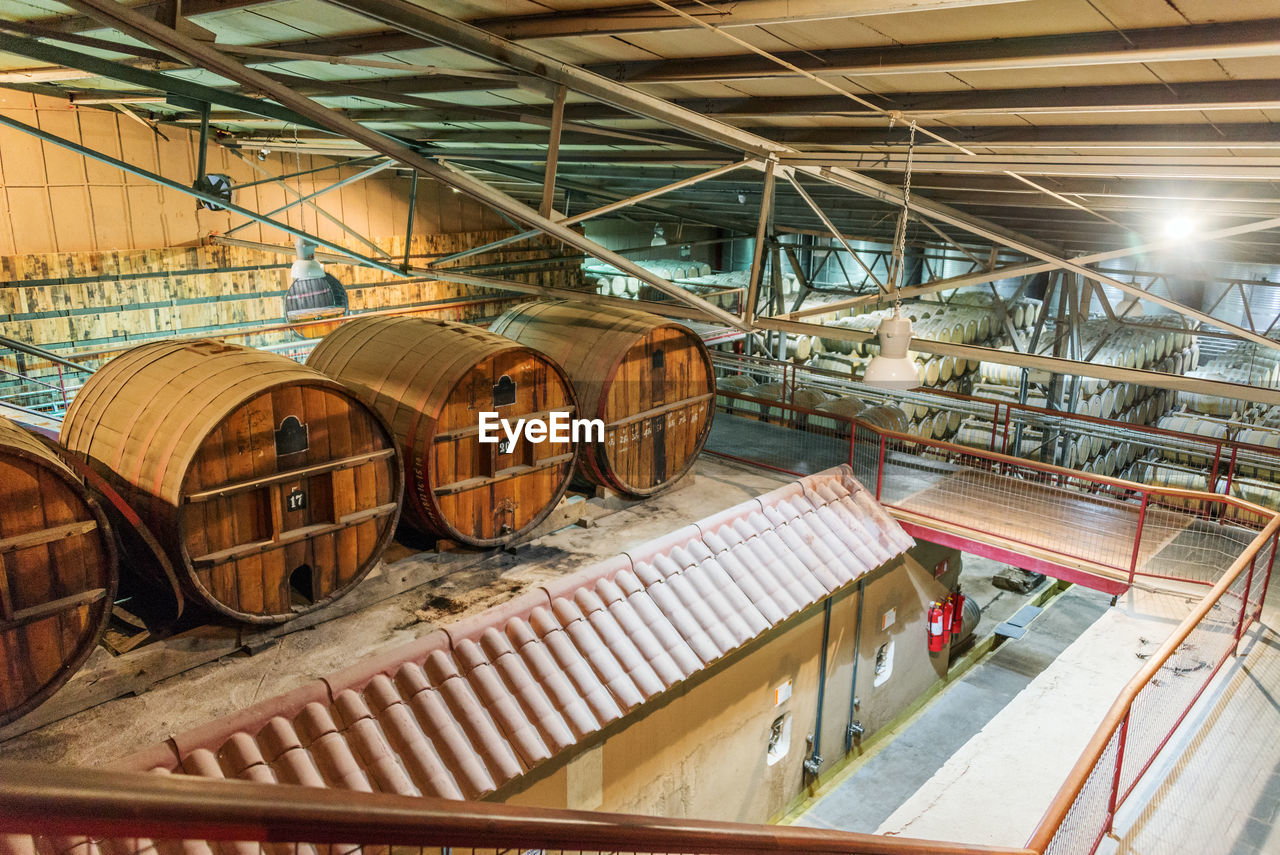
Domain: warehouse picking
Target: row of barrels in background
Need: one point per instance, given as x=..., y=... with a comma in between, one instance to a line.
x=1248, y=363
x=695, y=276
x=942, y=322
x=260, y=489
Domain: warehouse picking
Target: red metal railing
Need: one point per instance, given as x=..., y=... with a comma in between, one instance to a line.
x=1154, y=703
x=1223, y=460
x=1105, y=525
x=1221, y=542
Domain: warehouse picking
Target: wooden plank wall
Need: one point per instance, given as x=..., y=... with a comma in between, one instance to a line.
x=54, y=200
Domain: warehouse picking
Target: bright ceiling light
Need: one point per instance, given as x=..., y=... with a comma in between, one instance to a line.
x=892, y=368
x=1179, y=227
x=658, y=239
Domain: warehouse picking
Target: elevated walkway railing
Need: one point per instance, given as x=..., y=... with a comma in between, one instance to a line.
x=1109, y=527
x=1154, y=703
x=1226, y=463
x=1103, y=526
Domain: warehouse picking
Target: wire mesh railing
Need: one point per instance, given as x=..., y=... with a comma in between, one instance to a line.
x=1121, y=529
x=1118, y=528
x=1154, y=703
x=1221, y=463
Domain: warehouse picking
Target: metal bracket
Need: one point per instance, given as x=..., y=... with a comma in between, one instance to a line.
x=812, y=765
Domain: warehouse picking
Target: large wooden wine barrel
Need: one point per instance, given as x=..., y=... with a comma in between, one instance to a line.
x=650, y=380
x=431, y=379
x=58, y=569
x=271, y=487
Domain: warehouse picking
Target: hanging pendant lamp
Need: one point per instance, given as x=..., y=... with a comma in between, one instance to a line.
x=892, y=368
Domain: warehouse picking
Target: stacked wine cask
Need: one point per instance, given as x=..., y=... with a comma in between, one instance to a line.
x=1247, y=363
x=1172, y=350
x=1247, y=466
x=611, y=281
x=720, y=289
x=957, y=323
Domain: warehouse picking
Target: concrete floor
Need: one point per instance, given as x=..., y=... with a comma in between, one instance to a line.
x=982, y=764
x=774, y=445
x=997, y=786
x=117, y=728
x=882, y=784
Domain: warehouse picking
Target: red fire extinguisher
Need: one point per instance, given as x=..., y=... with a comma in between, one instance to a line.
x=948, y=614
x=936, y=627
x=957, y=613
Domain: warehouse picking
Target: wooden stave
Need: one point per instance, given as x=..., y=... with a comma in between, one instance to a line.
x=466, y=346
x=594, y=368
x=162, y=506
x=16, y=442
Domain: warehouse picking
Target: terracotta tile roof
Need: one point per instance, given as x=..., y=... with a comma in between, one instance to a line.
x=467, y=708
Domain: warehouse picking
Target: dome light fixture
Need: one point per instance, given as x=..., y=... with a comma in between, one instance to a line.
x=891, y=368
x=658, y=239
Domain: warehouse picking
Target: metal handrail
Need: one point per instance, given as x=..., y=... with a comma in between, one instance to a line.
x=787, y=372
x=1117, y=716
x=1056, y=814
x=60, y=802
x=1008, y=461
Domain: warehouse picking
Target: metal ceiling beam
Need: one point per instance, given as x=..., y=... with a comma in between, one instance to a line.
x=616, y=20
x=528, y=184
x=300, y=200
x=1189, y=167
x=33, y=49
x=424, y=80
x=855, y=181
x=598, y=212
x=1260, y=94
x=843, y=138
x=1222, y=135
x=1076, y=263
x=432, y=26
x=252, y=162
x=1258, y=38
x=205, y=56
x=81, y=23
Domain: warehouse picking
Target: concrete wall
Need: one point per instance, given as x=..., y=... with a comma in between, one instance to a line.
x=701, y=750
